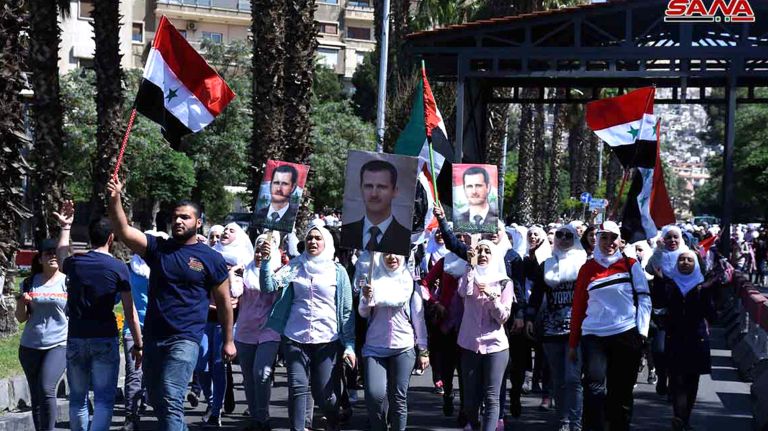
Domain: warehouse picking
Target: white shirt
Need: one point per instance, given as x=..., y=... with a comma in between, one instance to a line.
x=482, y=214
x=280, y=212
x=383, y=226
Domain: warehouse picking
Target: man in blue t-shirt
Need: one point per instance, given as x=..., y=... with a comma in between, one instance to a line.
x=94, y=279
x=183, y=274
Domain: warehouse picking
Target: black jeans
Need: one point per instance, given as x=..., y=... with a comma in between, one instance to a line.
x=683, y=388
x=43, y=369
x=611, y=362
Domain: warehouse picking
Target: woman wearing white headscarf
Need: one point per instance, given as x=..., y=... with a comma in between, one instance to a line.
x=488, y=296
x=313, y=313
x=434, y=251
x=555, y=289
x=664, y=258
x=237, y=250
x=256, y=344
x=688, y=300
x=395, y=316
x=214, y=234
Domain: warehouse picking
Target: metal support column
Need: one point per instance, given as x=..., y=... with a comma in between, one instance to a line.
x=727, y=187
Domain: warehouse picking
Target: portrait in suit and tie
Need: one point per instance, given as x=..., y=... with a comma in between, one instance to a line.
x=475, y=198
x=280, y=195
x=378, y=202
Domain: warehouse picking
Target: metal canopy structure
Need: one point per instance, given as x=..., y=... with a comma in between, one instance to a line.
x=618, y=44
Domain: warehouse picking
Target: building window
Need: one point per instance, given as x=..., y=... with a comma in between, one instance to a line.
x=213, y=37
x=244, y=5
x=329, y=1
x=362, y=33
x=137, y=32
x=183, y=33
x=84, y=11
x=328, y=57
x=360, y=57
x=328, y=28
x=359, y=3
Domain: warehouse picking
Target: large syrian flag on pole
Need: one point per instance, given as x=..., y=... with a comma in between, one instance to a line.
x=627, y=124
x=424, y=126
x=180, y=91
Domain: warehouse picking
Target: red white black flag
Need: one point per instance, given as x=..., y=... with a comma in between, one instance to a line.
x=627, y=124
x=180, y=91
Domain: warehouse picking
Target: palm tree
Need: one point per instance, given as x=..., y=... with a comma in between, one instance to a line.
x=47, y=114
x=523, y=211
x=556, y=157
x=576, y=151
x=13, y=167
x=109, y=98
x=267, y=97
x=539, y=184
x=299, y=70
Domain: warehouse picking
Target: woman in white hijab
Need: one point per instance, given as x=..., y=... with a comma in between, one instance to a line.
x=518, y=235
x=688, y=299
x=668, y=248
x=396, y=324
x=235, y=246
x=313, y=313
x=488, y=296
x=434, y=251
x=555, y=290
x=214, y=234
x=256, y=344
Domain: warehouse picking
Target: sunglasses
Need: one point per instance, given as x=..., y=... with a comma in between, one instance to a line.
x=560, y=235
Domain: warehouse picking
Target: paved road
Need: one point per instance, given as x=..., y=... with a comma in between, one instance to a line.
x=723, y=404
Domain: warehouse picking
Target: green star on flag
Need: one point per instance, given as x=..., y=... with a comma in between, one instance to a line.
x=171, y=94
x=634, y=132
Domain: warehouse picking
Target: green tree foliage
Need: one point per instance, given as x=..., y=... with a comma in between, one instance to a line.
x=335, y=131
x=364, y=80
x=750, y=162
x=326, y=86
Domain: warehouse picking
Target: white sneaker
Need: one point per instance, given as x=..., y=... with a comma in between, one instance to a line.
x=353, y=397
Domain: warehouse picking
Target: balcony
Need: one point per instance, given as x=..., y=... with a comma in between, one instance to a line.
x=233, y=12
x=358, y=11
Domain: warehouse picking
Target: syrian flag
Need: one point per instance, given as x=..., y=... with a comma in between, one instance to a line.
x=180, y=91
x=426, y=124
x=627, y=124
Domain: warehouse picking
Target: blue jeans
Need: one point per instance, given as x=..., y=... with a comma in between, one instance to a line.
x=566, y=381
x=482, y=375
x=387, y=379
x=210, y=368
x=92, y=362
x=256, y=361
x=168, y=366
x=315, y=363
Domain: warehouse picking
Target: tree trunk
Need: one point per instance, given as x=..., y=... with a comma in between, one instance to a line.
x=539, y=190
x=300, y=43
x=552, y=211
x=576, y=150
x=13, y=167
x=522, y=211
x=47, y=115
x=109, y=99
x=613, y=175
x=268, y=138
x=593, y=143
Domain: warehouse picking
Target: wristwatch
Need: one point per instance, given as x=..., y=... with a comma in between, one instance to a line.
x=424, y=353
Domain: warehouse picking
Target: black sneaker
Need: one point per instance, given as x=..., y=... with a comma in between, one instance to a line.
x=652, y=377
x=448, y=406
x=213, y=422
x=193, y=399
x=131, y=424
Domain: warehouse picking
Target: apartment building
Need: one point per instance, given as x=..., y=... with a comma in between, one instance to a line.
x=345, y=29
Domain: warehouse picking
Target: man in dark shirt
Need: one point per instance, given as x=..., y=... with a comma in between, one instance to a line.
x=94, y=279
x=183, y=274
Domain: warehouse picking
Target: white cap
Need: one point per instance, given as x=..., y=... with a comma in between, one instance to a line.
x=609, y=226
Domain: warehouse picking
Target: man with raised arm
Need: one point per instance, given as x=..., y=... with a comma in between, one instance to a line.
x=183, y=274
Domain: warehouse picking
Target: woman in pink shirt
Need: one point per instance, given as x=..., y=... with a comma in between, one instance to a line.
x=256, y=344
x=395, y=316
x=488, y=296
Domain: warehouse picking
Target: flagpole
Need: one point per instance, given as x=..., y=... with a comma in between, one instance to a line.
x=429, y=141
x=381, y=104
x=124, y=144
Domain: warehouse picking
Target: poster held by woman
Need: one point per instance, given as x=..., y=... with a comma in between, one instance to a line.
x=280, y=195
x=475, y=198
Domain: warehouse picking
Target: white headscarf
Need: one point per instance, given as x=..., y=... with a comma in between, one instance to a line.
x=544, y=250
x=434, y=250
x=519, y=236
x=494, y=270
x=606, y=260
x=504, y=243
x=391, y=288
x=631, y=251
x=564, y=264
x=251, y=271
x=668, y=257
x=217, y=228
x=686, y=282
x=240, y=250
x=138, y=265
x=322, y=264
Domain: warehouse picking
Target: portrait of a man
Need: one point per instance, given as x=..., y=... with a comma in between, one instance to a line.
x=280, y=196
x=387, y=203
x=474, y=211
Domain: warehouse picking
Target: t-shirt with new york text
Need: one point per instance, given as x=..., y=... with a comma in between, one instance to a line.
x=94, y=280
x=180, y=280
